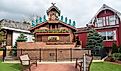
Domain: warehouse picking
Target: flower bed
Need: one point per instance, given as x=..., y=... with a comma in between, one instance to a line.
x=52, y=31
x=58, y=43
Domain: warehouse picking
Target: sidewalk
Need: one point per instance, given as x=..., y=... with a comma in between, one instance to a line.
x=45, y=62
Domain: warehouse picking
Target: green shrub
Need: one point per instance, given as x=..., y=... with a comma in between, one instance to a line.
x=119, y=49
x=21, y=38
x=116, y=56
x=114, y=48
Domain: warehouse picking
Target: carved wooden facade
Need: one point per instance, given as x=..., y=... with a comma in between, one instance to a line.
x=54, y=30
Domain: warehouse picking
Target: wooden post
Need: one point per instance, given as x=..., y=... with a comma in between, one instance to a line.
x=70, y=54
x=21, y=51
x=56, y=54
x=40, y=55
x=4, y=53
x=84, y=67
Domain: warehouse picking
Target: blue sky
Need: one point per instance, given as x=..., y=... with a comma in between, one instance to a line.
x=79, y=10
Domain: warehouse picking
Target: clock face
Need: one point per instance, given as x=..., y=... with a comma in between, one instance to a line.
x=53, y=17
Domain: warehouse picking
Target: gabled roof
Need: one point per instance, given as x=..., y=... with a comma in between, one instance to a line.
x=39, y=25
x=71, y=27
x=82, y=30
x=104, y=7
x=14, y=29
x=53, y=7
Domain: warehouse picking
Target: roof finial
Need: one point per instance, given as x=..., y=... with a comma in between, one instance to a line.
x=53, y=4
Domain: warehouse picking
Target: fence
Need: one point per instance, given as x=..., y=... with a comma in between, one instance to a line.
x=52, y=54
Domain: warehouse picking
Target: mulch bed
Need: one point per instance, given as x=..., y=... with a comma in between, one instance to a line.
x=117, y=62
x=111, y=60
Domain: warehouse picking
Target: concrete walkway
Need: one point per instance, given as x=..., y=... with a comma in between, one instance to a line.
x=45, y=62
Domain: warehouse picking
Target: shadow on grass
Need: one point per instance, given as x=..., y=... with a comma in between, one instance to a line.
x=16, y=67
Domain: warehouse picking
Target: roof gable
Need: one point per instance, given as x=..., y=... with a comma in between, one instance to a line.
x=104, y=7
x=53, y=7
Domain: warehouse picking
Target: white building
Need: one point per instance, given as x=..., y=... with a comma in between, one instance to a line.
x=13, y=29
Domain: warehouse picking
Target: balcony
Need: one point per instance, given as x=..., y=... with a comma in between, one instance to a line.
x=52, y=33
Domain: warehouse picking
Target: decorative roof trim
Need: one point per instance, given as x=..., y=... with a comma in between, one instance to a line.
x=68, y=25
x=58, y=22
x=37, y=26
x=13, y=29
x=104, y=7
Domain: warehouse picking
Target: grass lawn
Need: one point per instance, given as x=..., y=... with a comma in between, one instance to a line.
x=9, y=67
x=97, y=66
x=105, y=66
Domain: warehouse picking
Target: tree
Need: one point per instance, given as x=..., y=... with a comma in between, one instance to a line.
x=119, y=49
x=114, y=48
x=2, y=36
x=21, y=38
x=94, y=41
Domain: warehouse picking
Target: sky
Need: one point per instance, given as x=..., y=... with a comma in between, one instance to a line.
x=80, y=11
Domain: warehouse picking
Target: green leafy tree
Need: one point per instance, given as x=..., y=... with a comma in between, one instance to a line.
x=114, y=48
x=21, y=38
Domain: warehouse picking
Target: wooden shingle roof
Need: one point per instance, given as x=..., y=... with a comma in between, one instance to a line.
x=14, y=24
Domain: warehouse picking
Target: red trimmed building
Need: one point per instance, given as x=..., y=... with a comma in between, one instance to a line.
x=107, y=23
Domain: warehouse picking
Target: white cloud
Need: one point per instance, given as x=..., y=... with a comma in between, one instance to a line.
x=79, y=10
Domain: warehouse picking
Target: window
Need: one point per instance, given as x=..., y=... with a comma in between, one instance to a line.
x=108, y=35
x=103, y=35
x=112, y=20
x=117, y=20
x=53, y=26
x=107, y=21
x=99, y=22
x=104, y=24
